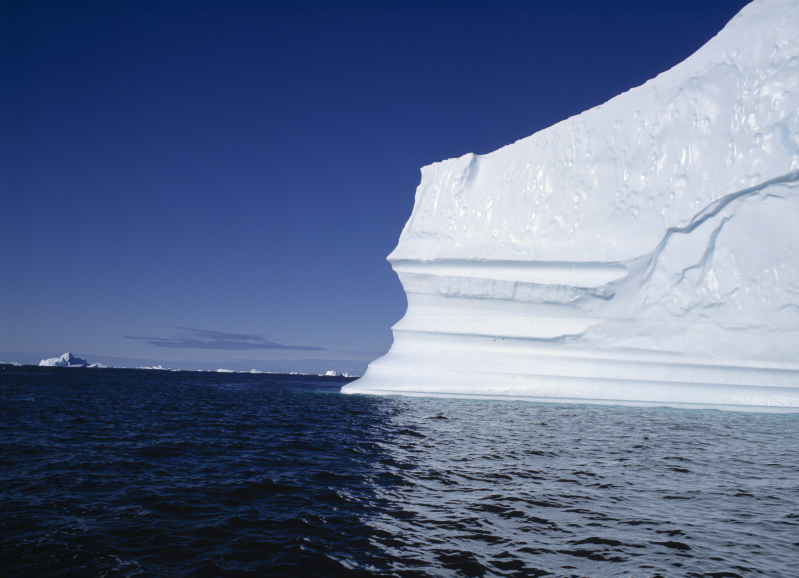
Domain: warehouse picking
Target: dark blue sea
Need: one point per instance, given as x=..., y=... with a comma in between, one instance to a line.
x=115, y=472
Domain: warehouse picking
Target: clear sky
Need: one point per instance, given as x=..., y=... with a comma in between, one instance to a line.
x=217, y=184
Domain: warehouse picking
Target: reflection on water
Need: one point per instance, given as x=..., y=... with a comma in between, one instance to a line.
x=593, y=491
x=122, y=473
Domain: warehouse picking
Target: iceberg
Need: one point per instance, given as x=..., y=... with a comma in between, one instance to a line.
x=644, y=252
x=66, y=360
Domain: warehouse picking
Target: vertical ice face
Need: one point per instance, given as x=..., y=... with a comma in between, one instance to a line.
x=643, y=252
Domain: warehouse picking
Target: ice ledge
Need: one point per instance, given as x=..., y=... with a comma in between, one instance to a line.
x=569, y=389
x=541, y=273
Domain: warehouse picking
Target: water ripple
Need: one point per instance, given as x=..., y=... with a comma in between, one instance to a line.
x=135, y=473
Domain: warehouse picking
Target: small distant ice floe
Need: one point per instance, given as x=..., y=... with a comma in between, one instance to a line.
x=155, y=367
x=225, y=371
x=332, y=373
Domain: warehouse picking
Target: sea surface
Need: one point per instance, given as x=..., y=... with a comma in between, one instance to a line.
x=114, y=472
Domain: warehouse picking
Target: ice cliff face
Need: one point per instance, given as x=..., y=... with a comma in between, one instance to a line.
x=643, y=252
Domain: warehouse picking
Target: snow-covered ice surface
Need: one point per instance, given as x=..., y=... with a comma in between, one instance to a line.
x=645, y=252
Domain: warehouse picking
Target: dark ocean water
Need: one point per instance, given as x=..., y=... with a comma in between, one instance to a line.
x=150, y=473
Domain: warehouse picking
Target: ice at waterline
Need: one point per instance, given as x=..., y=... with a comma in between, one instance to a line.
x=645, y=252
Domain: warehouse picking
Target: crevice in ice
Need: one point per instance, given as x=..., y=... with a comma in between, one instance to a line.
x=707, y=256
x=629, y=293
x=709, y=212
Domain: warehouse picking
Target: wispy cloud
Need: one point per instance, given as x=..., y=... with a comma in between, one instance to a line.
x=189, y=338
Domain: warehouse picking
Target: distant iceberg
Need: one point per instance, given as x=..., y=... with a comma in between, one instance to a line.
x=66, y=360
x=644, y=252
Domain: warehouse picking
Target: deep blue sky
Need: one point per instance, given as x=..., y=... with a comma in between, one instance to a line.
x=191, y=183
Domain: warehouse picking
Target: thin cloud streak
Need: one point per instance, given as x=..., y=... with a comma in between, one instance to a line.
x=190, y=338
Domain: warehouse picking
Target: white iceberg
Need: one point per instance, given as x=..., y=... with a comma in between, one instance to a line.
x=644, y=252
x=66, y=360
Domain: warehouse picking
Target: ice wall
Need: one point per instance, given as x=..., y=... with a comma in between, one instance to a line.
x=644, y=252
